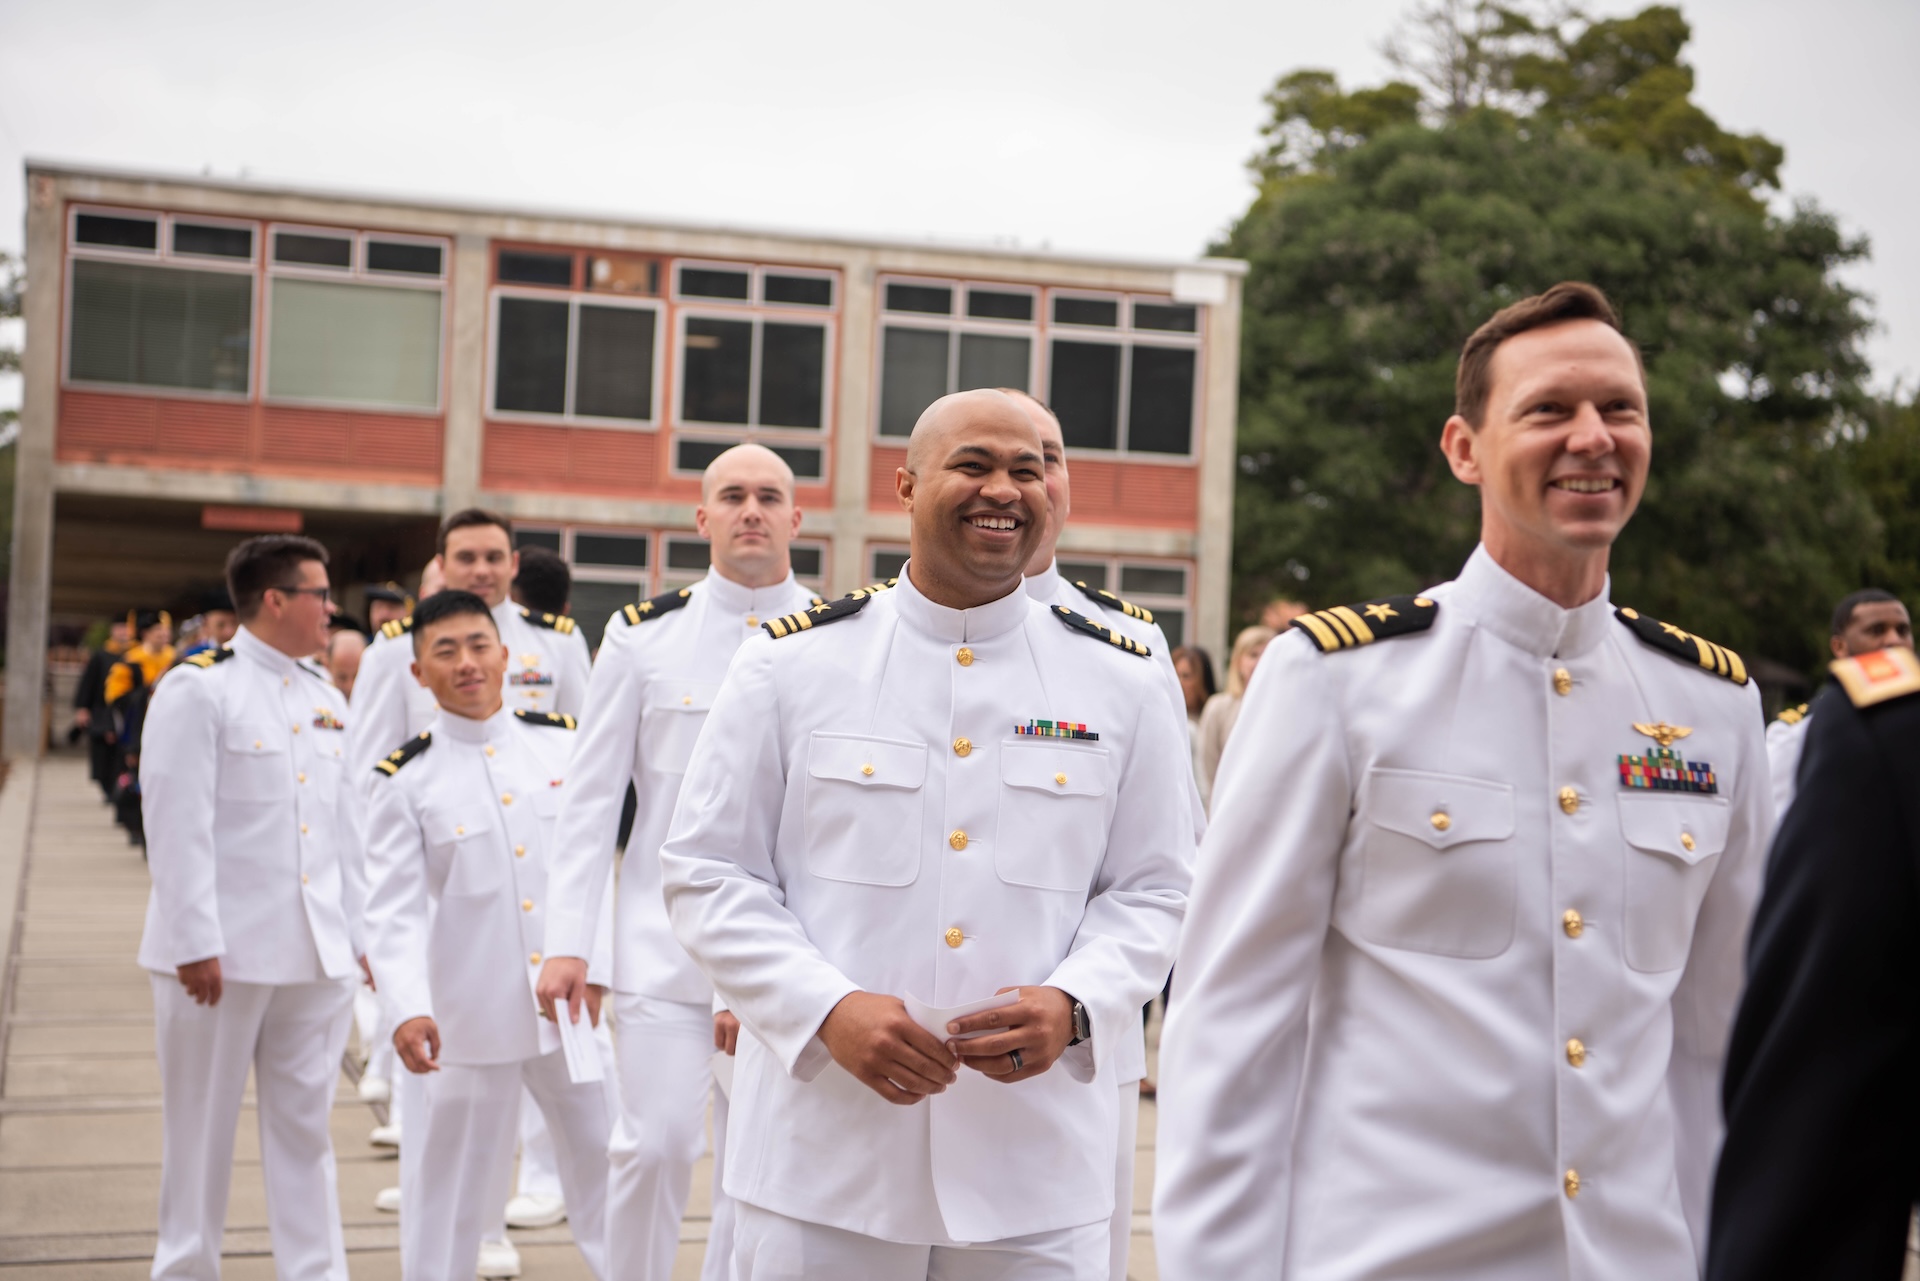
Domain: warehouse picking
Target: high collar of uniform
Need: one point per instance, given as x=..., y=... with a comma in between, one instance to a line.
x=983, y=622
x=505, y=612
x=466, y=730
x=247, y=645
x=1044, y=585
x=730, y=597
x=1516, y=613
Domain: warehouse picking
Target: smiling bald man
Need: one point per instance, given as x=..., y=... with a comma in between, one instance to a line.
x=943, y=791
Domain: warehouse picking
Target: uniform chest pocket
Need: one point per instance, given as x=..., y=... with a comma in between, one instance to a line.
x=1054, y=815
x=1438, y=868
x=671, y=714
x=1673, y=847
x=254, y=765
x=464, y=844
x=863, y=808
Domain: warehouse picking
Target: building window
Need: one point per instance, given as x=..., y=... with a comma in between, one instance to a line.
x=693, y=454
x=885, y=562
x=1127, y=387
x=355, y=318
x=575, y=357
x=941, y=338
x=159, y=301
x=752, y=372
x=1160, y=586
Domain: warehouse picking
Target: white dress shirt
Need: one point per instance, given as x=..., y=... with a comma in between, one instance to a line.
x=1452, y=998
x=861, y=813
x=240, y=781
x=459, y=841
x=653, y=682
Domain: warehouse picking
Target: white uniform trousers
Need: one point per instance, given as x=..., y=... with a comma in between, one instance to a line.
x=466, y=1155
x=718, y=1264
x=1122, y=1221
x=292, y=1036
x=665, y=1053
x=539, y=1171
x=412, y=1098
x=772, y=1247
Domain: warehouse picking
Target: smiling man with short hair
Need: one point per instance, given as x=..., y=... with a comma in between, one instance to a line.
x=1496, y=844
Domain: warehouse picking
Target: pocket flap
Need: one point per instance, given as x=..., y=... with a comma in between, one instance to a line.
x=1441, y=809
x=1059, y=771
x=1688, y=828
x=681, y=696
x=446, y=829
x=870, y=762
x=252, y=741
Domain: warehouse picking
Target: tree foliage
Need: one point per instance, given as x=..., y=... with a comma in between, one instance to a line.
x=1392, y=221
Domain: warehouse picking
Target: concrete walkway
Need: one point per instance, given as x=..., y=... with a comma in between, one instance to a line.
x=80, y=1091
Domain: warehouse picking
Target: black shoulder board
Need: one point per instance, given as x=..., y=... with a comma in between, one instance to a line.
x=1108, y=599
x=390, y=763
x=819, y=615
x=1685, y=646
x=1087, y=627
x=885, y=584
x=208, y=657
x=552, y=622
x=314, y=670
x=1793, y=715
x=1345, y=626
x=552, y=720
x=395, y=628
x=653, y=607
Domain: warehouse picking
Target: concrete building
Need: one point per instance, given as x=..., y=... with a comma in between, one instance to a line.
x=208, y=358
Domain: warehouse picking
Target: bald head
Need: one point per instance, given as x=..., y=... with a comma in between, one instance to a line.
x=1053, y=449
x=750, y=464
x=747, y=515
x=961, y=412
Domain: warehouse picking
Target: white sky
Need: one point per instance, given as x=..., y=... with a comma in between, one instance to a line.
x=1113, y=127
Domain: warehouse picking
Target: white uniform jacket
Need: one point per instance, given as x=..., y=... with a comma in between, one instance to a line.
x=657, y=672
x=461, y=830
x=1786, y=737
x=1053, y=588
x=240, y=781
x=865, y=811
x=1453, y=999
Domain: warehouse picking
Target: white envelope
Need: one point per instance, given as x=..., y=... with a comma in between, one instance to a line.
x=935, y=1018
x=576, y=1042
x=723, y=1072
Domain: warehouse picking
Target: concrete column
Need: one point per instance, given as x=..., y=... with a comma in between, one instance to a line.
x=31, y=581
x=853, y=425
x=1219, y=464
x=466, y=375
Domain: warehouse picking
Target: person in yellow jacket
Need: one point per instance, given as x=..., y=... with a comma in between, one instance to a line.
x=129, y=687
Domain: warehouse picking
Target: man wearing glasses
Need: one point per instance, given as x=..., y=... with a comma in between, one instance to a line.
x=251, y=931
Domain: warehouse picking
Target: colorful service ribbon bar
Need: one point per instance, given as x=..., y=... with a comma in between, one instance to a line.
x=1057, y=729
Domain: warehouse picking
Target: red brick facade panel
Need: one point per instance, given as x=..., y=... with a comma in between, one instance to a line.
x=886, y=460
x=584, y=460
x=1148, y=494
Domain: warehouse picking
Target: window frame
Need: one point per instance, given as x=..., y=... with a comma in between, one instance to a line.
x=756, y=274
x=574, y=299
x=162, y=255
x=1116, y=563
x=1127, y=337
x=771, y=438
x=759, y=317
x=955, y=323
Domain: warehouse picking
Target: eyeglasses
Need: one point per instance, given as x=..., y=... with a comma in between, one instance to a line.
x=324, y=593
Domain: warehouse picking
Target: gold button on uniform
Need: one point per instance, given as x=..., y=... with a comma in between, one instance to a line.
x=519, y=851
x=489, y=749
x=1576, y=1052
x=1440, y=821
x=303, y=829
x=526, y=905
x=459, y=831
x=962, y=746
x=1572, y=924
x=506, y=798
x=1061, y=779
x=1572, y=1184
x=1569, y=800
x=867, y=770
x=752, y=621
x=964, y=657
x=296, y=729
x=1562, y=681
x=686, y=700
x=302, y=777
x=954, y=936
x=958, y=840
x=1686, y=840
x=256, y=744
x=303, y=878
x=534, y=959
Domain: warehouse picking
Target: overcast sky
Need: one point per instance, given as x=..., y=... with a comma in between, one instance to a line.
x=1114, y=127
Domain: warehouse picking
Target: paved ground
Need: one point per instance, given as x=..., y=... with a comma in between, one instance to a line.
x=79, y=1089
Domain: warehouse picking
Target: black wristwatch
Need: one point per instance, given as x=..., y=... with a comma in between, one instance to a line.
x=1082, y=1025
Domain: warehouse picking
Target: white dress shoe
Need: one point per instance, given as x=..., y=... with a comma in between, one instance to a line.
x=385, y=1136
x=536, y=1211
x=387, y=1201
x=498, y=1259
x=375, y=1089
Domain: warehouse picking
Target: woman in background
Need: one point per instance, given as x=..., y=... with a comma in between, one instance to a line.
x=1195, y=668
x=1222, y=710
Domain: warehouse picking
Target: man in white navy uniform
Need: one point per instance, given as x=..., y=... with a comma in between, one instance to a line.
x=251, y=932
x=460, y=837
x=547, y=670
x=1046, y=584
x=937, y=792
x=1863, y=621
x=1497, y=844
x=654, y=679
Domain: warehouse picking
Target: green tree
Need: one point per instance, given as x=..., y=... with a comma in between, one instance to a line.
x=12, y=294
x=1379, y=241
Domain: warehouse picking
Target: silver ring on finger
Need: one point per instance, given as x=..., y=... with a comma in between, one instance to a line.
x=1017, y=1062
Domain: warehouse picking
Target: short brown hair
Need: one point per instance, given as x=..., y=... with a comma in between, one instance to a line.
x=1568, y=300
x=469, y=518
x=265, y=562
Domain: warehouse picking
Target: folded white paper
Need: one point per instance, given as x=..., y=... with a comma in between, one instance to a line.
x=576, y=1042
x=935, y=1018
x=723, y=1072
